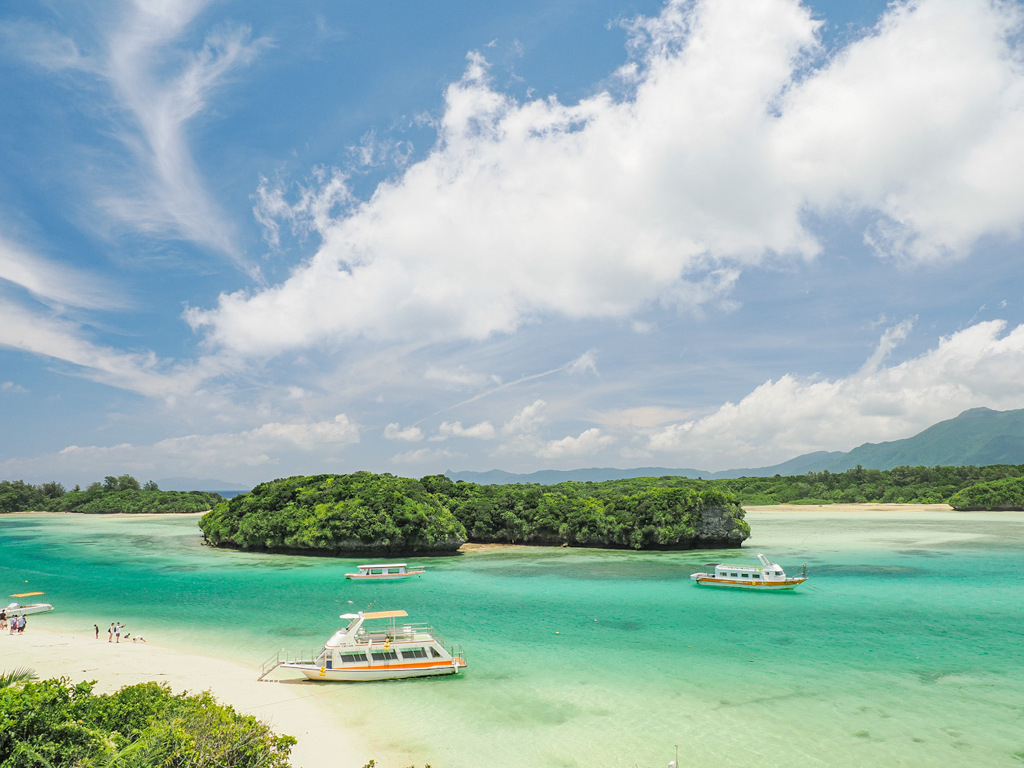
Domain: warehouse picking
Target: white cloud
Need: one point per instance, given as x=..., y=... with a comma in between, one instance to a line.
x=587, y=362
x=10, y=386
x=586, y=443
x=780, y=419
x=482, y=431
x=24, y=329
x=725, y=140
x=55, y=283
x=527, y=421
x=158, y=89
x=410, y=435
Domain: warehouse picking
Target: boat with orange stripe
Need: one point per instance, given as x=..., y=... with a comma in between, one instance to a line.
x=768, y=576
x=374, y=646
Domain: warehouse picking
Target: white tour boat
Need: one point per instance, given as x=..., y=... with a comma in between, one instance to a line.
x=381, y=650
x=384, y=572
x=17, y=609
x=767, y=576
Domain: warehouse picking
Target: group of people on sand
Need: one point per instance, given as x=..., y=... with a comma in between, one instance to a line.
x=17, y=623
x=114, y=633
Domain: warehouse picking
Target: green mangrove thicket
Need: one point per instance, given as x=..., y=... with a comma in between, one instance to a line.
x=364, y=512
x=121, y=494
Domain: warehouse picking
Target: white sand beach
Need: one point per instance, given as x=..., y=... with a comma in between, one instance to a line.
x=847, y=509
x=287, y=706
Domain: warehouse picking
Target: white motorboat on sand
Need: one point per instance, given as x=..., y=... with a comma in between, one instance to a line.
x=379, y=650
x=17, y=609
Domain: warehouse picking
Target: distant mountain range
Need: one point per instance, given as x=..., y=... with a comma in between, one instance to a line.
x=977, y=437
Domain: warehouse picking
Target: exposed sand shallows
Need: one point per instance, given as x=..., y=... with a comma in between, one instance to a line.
x=287, y=706
x=830, y=509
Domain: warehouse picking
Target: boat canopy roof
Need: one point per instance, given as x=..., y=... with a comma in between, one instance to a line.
x=384, y=614
x=383, y=565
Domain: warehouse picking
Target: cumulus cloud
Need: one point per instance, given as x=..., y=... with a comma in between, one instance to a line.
x=783, y=418
x=394, y=431
x=586, y=443
x=726, y=137
x=482, y=431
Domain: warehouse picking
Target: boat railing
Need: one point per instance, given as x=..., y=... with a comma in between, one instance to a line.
x=405, y=632
x=285, y=656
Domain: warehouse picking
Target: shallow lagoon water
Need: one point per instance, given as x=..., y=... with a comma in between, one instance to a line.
x=904, y=648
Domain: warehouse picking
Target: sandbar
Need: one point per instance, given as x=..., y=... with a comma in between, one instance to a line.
x=289, y=707
x=846, y=509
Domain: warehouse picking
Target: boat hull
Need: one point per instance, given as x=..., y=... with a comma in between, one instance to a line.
x=28, y=610
x=382, y=672
x=711, y=581
x=383, y=577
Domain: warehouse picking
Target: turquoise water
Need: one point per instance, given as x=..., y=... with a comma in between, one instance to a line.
x=904, y=648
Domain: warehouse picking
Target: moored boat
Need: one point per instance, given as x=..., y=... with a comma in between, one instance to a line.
x=17, y=609
x=767, y=576
x=380, y=650
x=384, y=572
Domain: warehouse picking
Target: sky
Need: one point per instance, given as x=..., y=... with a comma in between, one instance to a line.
x=250, y=240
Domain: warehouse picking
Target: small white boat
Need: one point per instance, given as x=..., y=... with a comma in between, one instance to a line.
x=384, y=572
x=17, y=609
x=767, y=576
x=381, y=650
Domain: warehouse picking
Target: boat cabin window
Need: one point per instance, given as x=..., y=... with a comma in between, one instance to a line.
x=435, y=653
x=756, y=576
x=384, y=655
x=353, y=658
x=414, y=653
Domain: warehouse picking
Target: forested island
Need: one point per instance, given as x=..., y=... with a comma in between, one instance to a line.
x=383, y=514
x=123, y=494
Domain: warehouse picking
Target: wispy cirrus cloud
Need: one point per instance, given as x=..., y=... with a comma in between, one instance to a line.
x=147, y=88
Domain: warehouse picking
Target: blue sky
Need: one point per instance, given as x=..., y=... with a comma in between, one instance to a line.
x=245, y=241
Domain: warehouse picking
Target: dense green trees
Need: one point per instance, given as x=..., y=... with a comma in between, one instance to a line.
x=998, y=494
x=906, y=485
x=56, y=724
x=330, y=514
x=386, y=514
x=115, y=494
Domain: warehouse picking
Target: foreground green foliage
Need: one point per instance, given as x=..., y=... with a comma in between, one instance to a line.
x=363, y=512
x=121, y=494
x=332, y=514
x=54, y=724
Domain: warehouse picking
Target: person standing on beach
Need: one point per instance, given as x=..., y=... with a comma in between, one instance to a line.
x=117, y=632
x=3, y=618
x=97, y=628
x=110, y=634
x=22, y=621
